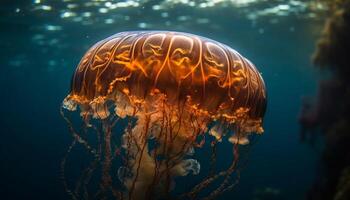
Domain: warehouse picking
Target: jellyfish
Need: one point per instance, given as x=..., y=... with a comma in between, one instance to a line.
x=175, y=93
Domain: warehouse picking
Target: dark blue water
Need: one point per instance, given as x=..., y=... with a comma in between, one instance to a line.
x=42, y=42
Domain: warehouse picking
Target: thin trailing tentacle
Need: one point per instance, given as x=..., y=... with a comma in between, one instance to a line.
x=63, y=175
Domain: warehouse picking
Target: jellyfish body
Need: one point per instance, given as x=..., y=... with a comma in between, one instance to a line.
x=174, y=85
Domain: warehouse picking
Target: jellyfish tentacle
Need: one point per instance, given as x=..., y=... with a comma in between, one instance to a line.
x=63, y=175
x=93, y=165
x=213, y=158
x=106, y=165
x=137, y=172
x=227, y=175
x=149, y=192
x=76, y=136
x=77, y=139
x=196, y=189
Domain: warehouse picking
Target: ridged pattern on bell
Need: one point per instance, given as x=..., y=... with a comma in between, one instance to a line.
x=180, y=65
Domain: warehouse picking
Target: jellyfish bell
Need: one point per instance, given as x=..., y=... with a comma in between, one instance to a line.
x=214, y=78
x=174, y=84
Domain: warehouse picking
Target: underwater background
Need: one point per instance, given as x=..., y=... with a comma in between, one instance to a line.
x=41, y=43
